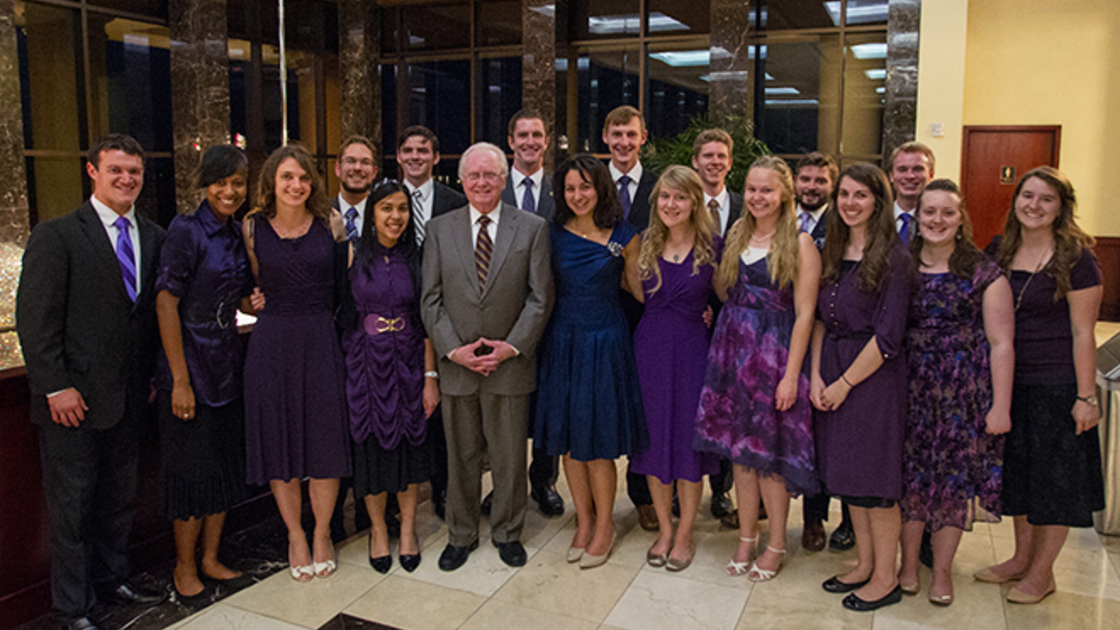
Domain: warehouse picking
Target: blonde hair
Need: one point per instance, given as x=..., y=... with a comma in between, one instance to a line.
x=684, y=179
x=784, y=257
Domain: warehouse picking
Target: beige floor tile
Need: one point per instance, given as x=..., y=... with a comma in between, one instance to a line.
x=223, y=617
x=483, y=574
x=891, y=623
x=355, y=550
x=975, y=605
x=497, y=614
x=409, y=604
x=1084, y=538
x=1087, y=573
x=307, y=604
x=549, y=583
x=1064, y=611
x=657, y=601
x=771, y=610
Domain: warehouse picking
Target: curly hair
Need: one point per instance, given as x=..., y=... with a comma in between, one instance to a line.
x=1069, y=239
x=881, y=235
x=608, y=210
x=784, y=257
x=685, y=180
x=317, y=204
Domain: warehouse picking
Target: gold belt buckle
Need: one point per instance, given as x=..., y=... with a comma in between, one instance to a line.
x=389, y=325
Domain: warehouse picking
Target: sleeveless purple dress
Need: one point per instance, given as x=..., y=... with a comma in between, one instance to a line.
x=295, y=403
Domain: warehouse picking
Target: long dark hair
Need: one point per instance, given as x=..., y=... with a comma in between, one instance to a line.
x=317, y=204
x=881, y=235
x=965, y=256
x=368, y=249
x=608, y=210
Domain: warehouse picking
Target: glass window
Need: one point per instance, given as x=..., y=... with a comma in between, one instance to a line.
x=676, y=17
x=151, y=8
x=389, y=20
x=439, y=97
x=678, y=87
x=781, y=15
x=48, y=44
x=436, y=27
x=607, y=79
x=240, y=56
x=498, y=23
x=157, y=198
x=797, y=93
x=54, y=186
x=447, y=171
x=605, y=19
x=388, y=112
x=272, y=105
x=500, y=79
x=865, y=12
x=865, y=78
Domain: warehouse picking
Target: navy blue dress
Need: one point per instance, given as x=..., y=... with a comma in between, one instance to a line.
x=588, y=400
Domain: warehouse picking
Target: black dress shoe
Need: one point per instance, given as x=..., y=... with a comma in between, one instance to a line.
x=128, y=594
x=81, y=623
x=721, y=505
x=852, y=602
x=549, y=500
x=486, y=504
x=843, y=538
x=834, y=585
x=382, y=564
x=925, y=552
x=512, y=553
x=812, y=537
x=454, y=557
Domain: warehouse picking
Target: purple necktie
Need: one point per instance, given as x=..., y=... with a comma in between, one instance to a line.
x=126, y=257
x=904, y=231
x=528, y=202
x=803, y=222
x=624, y=195
x=352, y=224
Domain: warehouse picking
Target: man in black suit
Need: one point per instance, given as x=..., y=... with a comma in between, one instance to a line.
x=417, y=155
x=527, y=187
x=86, y=319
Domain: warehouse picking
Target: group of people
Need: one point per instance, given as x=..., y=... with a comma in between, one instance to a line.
x=822, y=334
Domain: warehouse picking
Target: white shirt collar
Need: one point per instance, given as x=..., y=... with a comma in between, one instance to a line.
x=635, y=173
x=360, y=206
x=519, y=177
x=425, y=189
x=816, y=214
x=898, y=211
x=721, y=198
x=108, y=216
x=495, y=215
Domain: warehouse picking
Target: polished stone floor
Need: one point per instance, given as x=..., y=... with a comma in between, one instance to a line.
x=550, y=594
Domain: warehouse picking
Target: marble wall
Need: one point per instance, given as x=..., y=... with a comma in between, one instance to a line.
x=199, y=88
x=14, y=218
x=901, y=114
x=731, y=69
x=538, y=65
x=359, y=32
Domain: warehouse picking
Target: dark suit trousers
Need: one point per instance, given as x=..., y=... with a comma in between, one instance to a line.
x=480, y=427
x=89, y=478
x=816, y=507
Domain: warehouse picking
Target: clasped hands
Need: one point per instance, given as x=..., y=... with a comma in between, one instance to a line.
x=476, y=358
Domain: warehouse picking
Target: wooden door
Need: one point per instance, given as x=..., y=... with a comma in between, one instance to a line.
x=994, y=159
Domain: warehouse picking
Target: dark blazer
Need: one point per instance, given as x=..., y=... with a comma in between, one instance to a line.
x=821, y=228
x=76, y=324
x=546, y=207
x=639, y=205
x=445, y=199
x=735, y=210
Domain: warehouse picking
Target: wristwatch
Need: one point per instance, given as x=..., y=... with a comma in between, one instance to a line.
x=1090, y=400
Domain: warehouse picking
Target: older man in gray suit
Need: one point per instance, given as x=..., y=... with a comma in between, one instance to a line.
x=487, y=295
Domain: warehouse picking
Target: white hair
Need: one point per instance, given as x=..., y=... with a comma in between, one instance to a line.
x=499, y=156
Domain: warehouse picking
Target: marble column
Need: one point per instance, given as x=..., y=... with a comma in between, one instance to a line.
x=538, y=65
x=359, y=33
x=14, y=214
x=731, y=69
x=199, y=88
x=900, y=116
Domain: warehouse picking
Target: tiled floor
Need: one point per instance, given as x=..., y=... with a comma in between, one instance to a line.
x=549, y=594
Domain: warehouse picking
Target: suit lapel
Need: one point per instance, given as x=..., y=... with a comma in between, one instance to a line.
x=462, y=236
x=148, y=261
x=507, y=230
x=507, y=193
x=103, y=249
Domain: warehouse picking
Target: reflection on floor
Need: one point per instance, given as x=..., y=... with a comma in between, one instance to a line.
x=548, y=593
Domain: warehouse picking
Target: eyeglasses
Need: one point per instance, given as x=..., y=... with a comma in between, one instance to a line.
x=488, y=176
x=350, y=161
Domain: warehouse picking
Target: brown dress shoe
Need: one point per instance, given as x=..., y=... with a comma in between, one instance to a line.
x=647, y=518
x=731, y=521
x=813, y=539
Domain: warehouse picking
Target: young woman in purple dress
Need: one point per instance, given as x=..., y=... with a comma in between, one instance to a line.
x=391, y=384
x=859, y=378
x=673, y=278
x=754, y=407
x=1052, y=459
x=959, y=344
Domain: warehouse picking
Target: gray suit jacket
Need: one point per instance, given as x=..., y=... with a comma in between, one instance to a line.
x=546, y=207
x=514, y=306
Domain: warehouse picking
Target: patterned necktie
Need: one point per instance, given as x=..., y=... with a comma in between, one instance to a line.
x=352, y=224
x=528, y=203
x=418, y=215
x=803, y=222
x=904, y=231
x=125, y=256
x=483, y=248
x=713, y=207
x=624, y=195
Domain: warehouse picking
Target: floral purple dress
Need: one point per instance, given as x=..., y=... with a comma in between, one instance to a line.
x=747, y=359
x=950, y=463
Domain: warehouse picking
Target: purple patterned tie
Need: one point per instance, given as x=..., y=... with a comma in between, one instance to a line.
x=484, y=247
x=126, y=257
x=624, y=195
x=803, y=222
x=528, y=202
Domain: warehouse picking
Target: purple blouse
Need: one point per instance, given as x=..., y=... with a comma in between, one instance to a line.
x=204, y=264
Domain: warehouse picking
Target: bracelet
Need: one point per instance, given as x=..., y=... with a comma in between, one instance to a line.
x=1090, y=400
x=846, y=381
x=433, y=374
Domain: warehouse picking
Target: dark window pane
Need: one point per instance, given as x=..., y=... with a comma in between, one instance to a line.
x=605, y=19
x=48, y=44
x=678, y=88
x=498, y=23
x=780, y=15
x=436, y=28
x=54, y=186
x=864, y=12
x=240, y=57
x=501, y=98
x=671, y=17
x=272, y=106
x=439, y=98
x=389, y=17
x=865, y=74
x=150, y=8
x=447, y=172
x=388, y=110
x=130, y=82
x=157, y=199
x=606, y=80
x=796, y=109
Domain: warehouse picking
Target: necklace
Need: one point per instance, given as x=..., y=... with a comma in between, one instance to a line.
x=288, y=234
x=763, y=238
x=1041, y=261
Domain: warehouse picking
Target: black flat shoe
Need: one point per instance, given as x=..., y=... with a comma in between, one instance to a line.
x=842, y=539
x=454, y=557
x=834, y=585
x=235, y=584
x=382, y=564
x=852, y=602
x=200, y=599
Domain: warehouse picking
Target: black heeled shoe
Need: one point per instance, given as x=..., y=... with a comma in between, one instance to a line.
x=382, y=564
x=409, y=561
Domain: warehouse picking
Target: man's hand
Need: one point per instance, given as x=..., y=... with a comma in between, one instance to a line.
x=465, y=356
x=68, y=408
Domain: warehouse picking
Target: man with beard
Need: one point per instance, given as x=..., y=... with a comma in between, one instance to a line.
x=911, y=168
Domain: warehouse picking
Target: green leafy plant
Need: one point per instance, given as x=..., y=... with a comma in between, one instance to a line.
x=660, y=153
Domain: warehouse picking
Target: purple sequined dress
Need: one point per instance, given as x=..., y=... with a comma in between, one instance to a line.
x=747, y=359
x=385, y=378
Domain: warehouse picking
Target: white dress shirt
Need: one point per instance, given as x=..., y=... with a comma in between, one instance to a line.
x=814, y=217
x=724, y=201
x=108, y=216
x=635, y=177
x=898, y=212
x=360, y=220
x=519, y=188
x=491, y=228
x=422, y=205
